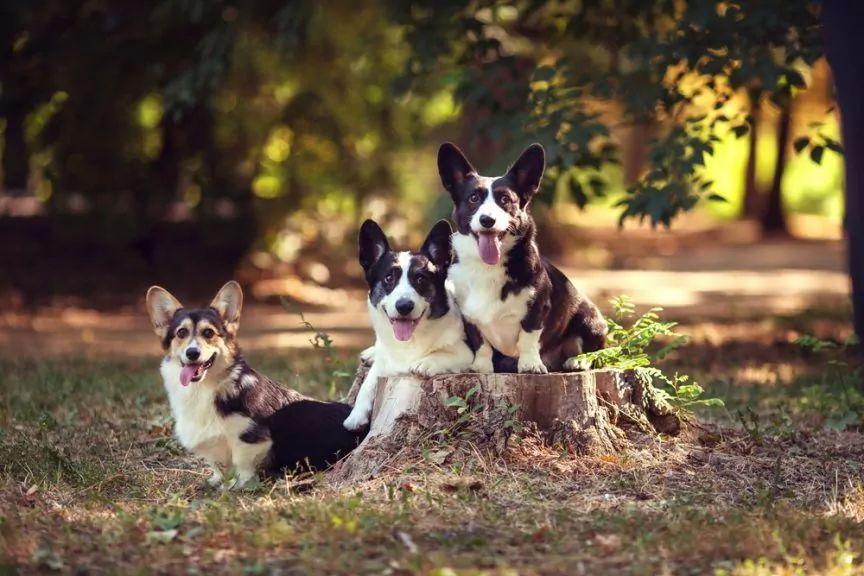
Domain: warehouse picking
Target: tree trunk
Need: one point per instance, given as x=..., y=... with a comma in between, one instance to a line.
x=15, y=157
x=844, y=20
x=636, y=149
x=752, y=204
x=773, y=220
x=580, y=411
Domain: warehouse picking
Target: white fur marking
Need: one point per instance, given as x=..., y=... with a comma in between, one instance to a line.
x=477, y=288
x=490, y=208
x=403, y=290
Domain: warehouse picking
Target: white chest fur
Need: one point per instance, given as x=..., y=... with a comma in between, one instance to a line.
x=477, y=288
x=199, y=427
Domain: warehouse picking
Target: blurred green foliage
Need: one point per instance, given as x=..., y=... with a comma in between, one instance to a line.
x=264, y=108
x=563, y=73
x=220, y=107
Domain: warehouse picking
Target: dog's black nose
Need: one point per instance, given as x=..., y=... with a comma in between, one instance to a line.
x=486, y=221
x=404, y=306
x=193, y=354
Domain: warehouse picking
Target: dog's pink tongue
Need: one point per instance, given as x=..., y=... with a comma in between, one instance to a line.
x=403, y=329
x=490, y=248
x=186, y=374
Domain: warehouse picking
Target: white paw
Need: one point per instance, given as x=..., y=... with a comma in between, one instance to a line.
x=482, y=366
x=576, y=365
x=431, y=367
x=531, y=365
x=359, y=418
x=367, y=356
x=215, y=479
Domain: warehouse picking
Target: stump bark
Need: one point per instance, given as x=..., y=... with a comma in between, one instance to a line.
x=584, y=411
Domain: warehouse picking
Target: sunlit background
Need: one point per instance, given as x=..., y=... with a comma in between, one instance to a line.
x=187, y=142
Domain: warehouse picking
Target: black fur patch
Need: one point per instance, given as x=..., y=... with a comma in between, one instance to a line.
x=428, y=284
x=255, y=433
x=308, y=435
x=383, y=277
x=255, y=401
x=473, y=338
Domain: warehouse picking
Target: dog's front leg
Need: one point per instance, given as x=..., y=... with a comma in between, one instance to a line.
x=247, y=452
x=482, y=363
x=529, y=353
x=528, y=342
x=362, y=410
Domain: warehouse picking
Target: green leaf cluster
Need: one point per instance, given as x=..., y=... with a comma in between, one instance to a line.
x=637, y=342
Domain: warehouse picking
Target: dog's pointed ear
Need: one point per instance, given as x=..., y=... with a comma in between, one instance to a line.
x=453, y=167
x=373, y=244
x=228, y=302
x=527, y=172
x=438, y=246
x=161, y=306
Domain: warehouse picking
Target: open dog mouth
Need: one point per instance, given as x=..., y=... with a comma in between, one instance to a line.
x=489, y=246
x=195, y=371
x=403, y=328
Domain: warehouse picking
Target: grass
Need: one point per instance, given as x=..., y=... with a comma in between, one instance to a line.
x=91, y=480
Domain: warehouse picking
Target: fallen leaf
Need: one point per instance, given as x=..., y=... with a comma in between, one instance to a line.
x=161, y=536
x=406, y=539
x=608, y=542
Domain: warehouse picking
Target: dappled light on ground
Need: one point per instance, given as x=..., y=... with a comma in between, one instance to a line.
x=124, y=494
x=92, y=477
x=719, y=282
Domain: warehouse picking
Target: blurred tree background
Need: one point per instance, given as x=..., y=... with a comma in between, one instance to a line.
x=178, y=139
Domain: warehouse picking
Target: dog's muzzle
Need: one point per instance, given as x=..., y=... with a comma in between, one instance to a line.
x=195, y=371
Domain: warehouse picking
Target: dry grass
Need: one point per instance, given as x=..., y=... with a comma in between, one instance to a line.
x=91, y=480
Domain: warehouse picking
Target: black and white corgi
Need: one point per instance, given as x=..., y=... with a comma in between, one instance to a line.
x=226, y=412
x=418, y=328
x=522, y=305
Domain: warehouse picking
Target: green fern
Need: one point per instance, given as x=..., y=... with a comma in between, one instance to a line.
x=634, y=347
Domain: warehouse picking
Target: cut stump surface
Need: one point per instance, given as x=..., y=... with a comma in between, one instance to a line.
x=580, y=410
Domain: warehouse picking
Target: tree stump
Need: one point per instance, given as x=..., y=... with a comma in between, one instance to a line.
x=583, y=411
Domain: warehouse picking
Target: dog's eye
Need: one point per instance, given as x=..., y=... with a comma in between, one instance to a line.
x=504, y=200
x=474, y=198
x=208, y=333
x=389, y=278
x=182, y=333
x=420, y=281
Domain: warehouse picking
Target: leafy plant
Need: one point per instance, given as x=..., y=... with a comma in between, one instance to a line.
x=468, y=409
x=836, y=391
x=817, y=142
x=636, y=347
x=322, y=342
x=672, y=67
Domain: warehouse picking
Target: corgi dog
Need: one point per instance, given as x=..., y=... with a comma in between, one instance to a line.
x=418, y=328
x=227, y=413
x=522, y=305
